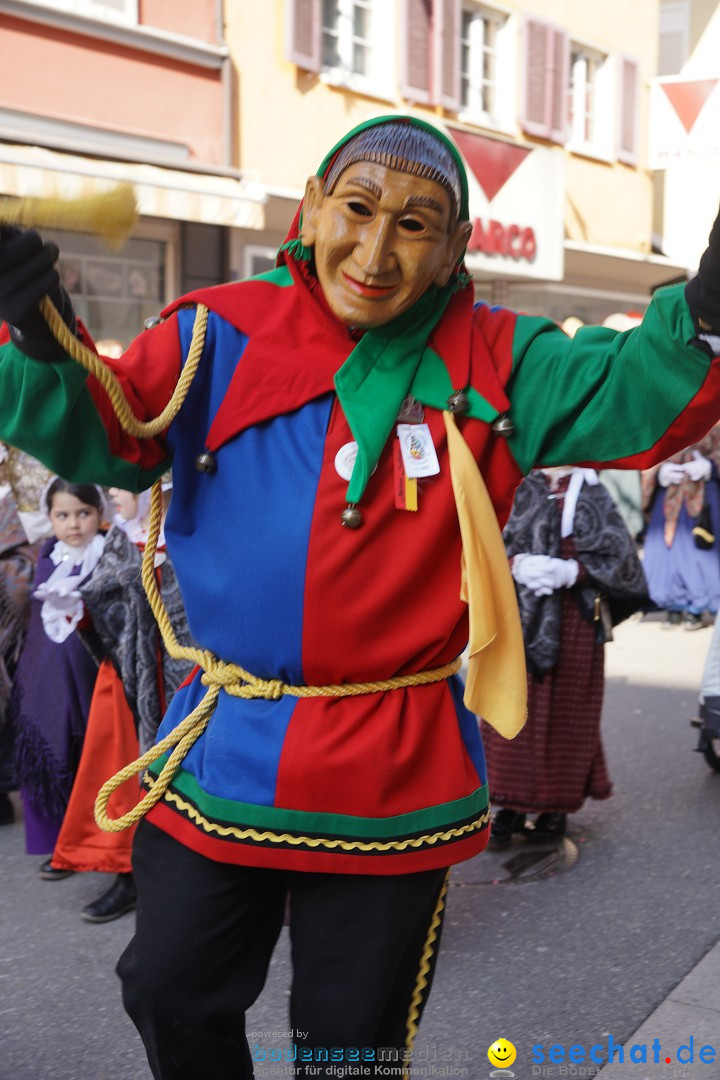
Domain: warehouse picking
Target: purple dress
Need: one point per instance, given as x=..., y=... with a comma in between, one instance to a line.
x=50, y=704
x=683, y=577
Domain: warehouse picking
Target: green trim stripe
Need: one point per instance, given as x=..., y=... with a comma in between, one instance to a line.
x=277, y=819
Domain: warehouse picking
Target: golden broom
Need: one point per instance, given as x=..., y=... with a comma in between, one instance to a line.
x=110, y=215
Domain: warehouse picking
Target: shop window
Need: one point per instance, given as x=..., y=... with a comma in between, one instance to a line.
x=258, y=260
x=113, y=294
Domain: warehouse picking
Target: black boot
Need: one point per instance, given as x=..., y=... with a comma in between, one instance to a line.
x=546, y=828
x=119, y=899
x=7, y=811
x=504, y=824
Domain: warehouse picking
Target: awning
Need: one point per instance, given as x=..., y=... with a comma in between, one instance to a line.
x=616, y=269
x=161, y=193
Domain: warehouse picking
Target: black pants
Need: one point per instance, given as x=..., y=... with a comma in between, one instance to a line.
x=205, y=935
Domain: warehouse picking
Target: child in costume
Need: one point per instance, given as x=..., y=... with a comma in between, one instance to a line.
x=577, y=573
x=135, y=681
x=56, y=674
x=318, y=543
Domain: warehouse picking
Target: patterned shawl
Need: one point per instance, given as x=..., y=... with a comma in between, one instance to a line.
x=122, y=620
x=603, y=546
x=691, y=493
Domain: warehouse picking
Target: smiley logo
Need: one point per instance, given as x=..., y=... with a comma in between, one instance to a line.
x=502, y=1053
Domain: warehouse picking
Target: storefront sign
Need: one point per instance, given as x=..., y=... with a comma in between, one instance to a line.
x=684, y=122
x=516, y=207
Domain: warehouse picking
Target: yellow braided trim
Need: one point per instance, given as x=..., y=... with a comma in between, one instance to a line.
x=317, y=842
x=91, y=362
x=421, y=981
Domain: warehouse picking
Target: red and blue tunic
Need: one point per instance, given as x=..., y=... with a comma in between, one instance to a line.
x=385, y=782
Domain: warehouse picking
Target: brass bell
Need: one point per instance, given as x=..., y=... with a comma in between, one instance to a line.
x=206, y=462
x=459, y=403
x=503, y=426
x=351, y=517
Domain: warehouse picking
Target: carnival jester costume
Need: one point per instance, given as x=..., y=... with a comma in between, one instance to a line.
x=293, y=416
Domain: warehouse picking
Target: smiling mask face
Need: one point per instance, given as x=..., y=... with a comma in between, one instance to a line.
x=380, y=239
x=383, y=222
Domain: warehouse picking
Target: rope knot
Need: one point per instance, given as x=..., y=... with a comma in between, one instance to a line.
x=272, y=689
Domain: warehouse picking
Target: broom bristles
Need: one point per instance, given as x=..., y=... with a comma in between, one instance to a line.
x=110, y=215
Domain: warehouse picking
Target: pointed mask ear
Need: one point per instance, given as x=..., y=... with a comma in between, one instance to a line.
x=312, y=202
x=457, y=242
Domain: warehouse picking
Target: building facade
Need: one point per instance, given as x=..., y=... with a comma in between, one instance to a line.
x=99, y=91
x=546, y=100
x=218, y=112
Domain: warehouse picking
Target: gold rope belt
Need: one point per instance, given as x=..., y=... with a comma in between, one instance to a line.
x=217, y=674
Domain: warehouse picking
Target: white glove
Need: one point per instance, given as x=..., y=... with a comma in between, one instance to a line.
x=534, y=572
x=670, y=473
x=564, y=573
x=700, y=468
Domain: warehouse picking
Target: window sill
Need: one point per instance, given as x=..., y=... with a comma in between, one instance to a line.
x=594, y=153
x=482, y=120
x=356, y=84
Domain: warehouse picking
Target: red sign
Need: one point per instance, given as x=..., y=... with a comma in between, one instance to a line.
x=494, y=238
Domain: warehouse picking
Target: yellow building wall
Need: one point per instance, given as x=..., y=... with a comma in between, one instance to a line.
x=289, y=118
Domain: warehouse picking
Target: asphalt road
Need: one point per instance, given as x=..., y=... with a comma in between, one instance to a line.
x=568, y=950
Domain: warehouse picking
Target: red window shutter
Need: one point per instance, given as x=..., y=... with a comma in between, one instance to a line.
x=448, y=52
x=628, y=75
x=417, y=74
x=559, y=80
x=302, y=33
x=545, y=87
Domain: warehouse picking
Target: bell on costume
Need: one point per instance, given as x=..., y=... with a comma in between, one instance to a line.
x=458, y=403
x=503, y=426
x=206, y=462
x=351, y=517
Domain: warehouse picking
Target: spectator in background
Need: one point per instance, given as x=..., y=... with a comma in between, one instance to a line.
x=682, y=560
x=56, y=675
x=576, y=572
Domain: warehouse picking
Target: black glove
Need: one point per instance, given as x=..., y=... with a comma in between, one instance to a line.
x=27, y=273
x=703, y=292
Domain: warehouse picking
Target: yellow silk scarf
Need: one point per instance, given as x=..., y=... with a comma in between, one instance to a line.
x=496, y=686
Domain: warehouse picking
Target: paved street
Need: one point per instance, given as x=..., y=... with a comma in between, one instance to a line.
x=567, y=951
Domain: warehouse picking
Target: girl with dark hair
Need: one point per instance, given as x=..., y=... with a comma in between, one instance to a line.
x=56, y=674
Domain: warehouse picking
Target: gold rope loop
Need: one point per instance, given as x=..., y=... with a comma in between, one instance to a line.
x=220, y=675
x=92, y=363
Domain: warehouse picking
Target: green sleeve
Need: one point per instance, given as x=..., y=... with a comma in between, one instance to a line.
x=46, y=410
x=603, y=396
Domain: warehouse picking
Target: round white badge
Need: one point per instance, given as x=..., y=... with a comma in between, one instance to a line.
x=345, y=459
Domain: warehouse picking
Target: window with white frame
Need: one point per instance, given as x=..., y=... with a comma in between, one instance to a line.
x=258, y=259
x=487, y=68
x=118, y=11
x=674, y=37
x=590, y=101
x=356, y=43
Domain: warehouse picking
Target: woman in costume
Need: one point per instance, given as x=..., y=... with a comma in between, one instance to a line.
x=682, y=540
x=576, y=571
x=56, y=675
